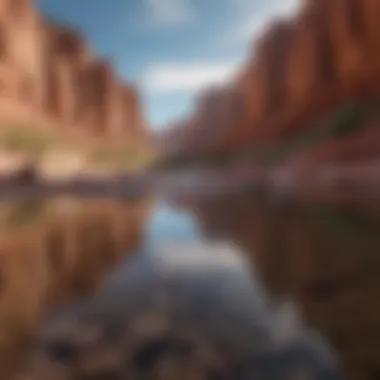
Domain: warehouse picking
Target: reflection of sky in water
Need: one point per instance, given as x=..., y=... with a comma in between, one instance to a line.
x=214, y=284
x=167, y=224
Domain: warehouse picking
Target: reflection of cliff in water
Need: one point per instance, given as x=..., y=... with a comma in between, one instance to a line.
x=182, y=308
x=53, y=251
x=326, y=260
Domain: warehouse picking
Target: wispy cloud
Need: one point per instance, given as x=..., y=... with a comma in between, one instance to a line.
x=167, y=78
x=257, y=14
x=168, y=13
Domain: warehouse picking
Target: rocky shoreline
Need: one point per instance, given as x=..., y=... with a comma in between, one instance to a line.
x=24, y=184
x=331, y=183
x=351, y=185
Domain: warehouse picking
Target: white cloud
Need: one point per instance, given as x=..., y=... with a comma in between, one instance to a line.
x=168, y=13
x=260, y=13
x=167, y=78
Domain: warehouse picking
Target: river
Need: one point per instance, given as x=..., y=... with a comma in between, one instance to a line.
x=188, y=287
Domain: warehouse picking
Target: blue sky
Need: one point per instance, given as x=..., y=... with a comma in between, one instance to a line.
x=170, y=48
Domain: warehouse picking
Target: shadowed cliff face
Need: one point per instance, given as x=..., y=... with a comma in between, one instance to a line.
x=52, y=252
x=325, y=260
x=301, y=70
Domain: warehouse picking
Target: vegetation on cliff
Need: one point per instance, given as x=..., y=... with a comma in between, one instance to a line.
x=340, y=122
x=55, y=155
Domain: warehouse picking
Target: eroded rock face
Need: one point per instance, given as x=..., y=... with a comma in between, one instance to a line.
x=50, y=68
x=211, y=127
x=94, y=80
x=21, y=51
x=299, y=69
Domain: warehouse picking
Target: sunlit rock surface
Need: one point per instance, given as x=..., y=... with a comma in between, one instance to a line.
x=50, y=77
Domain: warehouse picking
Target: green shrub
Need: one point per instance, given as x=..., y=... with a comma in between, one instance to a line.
x=348, y=119
x=120, y=158
x=26, y=141
x=340, y=122
x=25, y=212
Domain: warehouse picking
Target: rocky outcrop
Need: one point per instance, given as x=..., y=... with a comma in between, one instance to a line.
x=300, y=69
x=209, y=128
x=50, y=69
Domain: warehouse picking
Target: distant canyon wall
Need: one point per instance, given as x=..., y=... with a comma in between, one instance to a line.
x=299, y=69
x=48, y=72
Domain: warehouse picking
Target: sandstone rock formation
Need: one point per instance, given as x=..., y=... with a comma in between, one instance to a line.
x=300, y=69
x=209, y=128
x=50, y=69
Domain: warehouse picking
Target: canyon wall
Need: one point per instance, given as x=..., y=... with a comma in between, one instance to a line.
x=300, y=69
x=50, y=71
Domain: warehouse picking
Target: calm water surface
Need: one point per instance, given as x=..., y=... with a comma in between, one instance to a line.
x=195, y=288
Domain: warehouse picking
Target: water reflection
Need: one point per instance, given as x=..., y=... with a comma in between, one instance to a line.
x=168, y=224
x=55, y=251
x=214, y=288
x=187, y=306
x=325, y=260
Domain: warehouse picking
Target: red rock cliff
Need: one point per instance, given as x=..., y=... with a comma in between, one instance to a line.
x=299, y=70
x=49, y=69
